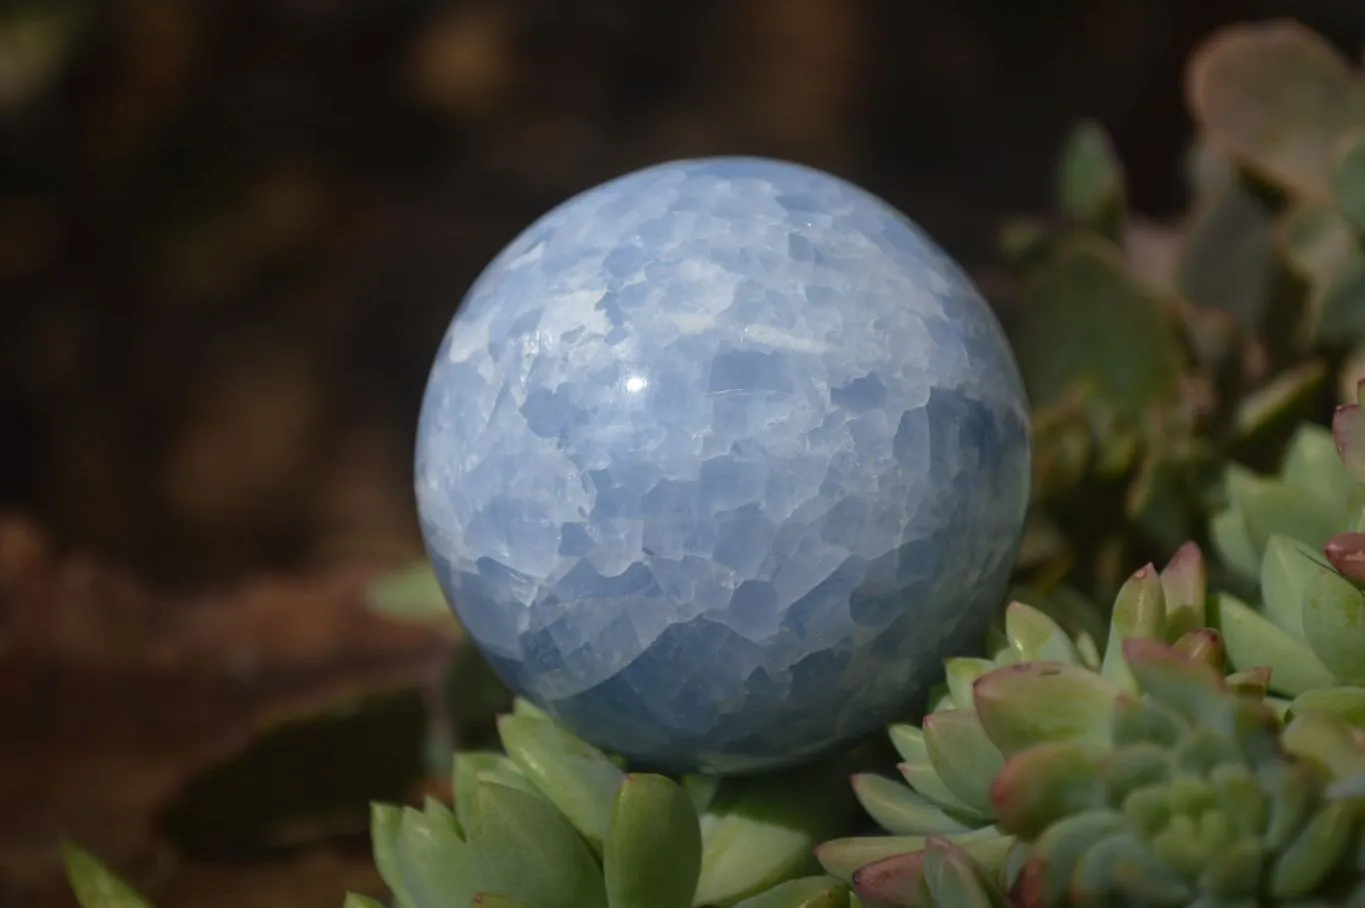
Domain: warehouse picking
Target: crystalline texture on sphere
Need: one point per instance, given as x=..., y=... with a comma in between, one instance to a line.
x=718, y=460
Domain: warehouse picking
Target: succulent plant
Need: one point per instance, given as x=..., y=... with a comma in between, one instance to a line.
x=1313, y=497
x=1200, y=799
x=1195, y=794
x=1039, y=685
x=1302, y=531
x=553, y=821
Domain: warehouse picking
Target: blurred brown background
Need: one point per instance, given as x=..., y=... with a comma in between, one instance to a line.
x=231, y=234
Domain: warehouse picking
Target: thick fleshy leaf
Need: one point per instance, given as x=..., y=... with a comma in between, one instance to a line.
x=960, y=675
x=95, y=885
x=1344, y=703
x=756, y=834
x=1271, y=506
x=1331, y=744
x=806, y=892
x=575, y=776
x=1346, y=552
x=1185, y=685
x=1046, y=783
x=472, y=765
x=1287, y=570
x=433, y=862
x=1204, y=645
x=1033, y=635
x=1090, y=185
x=1313, y=463
x=1252, y=641
x=385, y=822
x=1348, y=426
x=900, y=810
x=521, y=847
x=956, y=878
x=1184, y=587
x=1023, y=705
x=963, y=755
x=1301, y=869
x=1139, y=612
x=1045, y=879
x=925, y=781
x=1233, y=544
x=1278, y=97
x=1322, y=248
x=1334, y=625
x=653, y=847
x=842, y=858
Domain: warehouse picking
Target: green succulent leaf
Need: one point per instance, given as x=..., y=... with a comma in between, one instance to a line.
x=94, y=884
x=432, y=862
x=522, y=847
x=842, y=858
x=1253, y=641
x=963, y=756
x=653, y=849
x=412, y=595
x=470, y=766
x=1348, y=428
x=1090, y=186
x=1287, y=570
x=1184, y=587
x=1227, y=259
x=1035, y=636
x=1344, y=703
x=756, y=835
x=575, y=776
x=901, y=810
x=385, y=822
x=806, y=892
x=1139, y=612
x=1022, y=705
x=1334, y=625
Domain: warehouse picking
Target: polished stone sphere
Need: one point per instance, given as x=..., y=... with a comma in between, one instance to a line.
x=719, y=460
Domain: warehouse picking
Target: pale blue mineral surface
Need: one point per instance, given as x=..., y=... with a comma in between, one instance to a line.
x=718, y=460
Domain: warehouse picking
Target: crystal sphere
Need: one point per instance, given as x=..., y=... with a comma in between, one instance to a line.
x=719, y=460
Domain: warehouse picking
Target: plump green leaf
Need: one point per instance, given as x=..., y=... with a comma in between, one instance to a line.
x=1287, y=569
x=95, y=885
x=472, y=765
x=756, y=834
x=385, y=822
x=521, y=847
x=842, y=858
x=963, y=755
x=1344, y=703
x=806, y=892
x=653, y=848
x=1033, y=635
x=1047, y=783
x=1253, y=641
x=432, y=861
x=954, y=877
x=1023, y=705
x=1348, y=431
x=1139, y=611
x=1278, y=97
x=575, y=776
x=1090, y=178
x=900, y=810
x=1334, y=625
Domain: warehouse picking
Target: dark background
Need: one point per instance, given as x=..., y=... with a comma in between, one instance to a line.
x=233, y=231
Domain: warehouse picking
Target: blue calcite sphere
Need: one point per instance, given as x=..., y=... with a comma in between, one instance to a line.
x=718, y=460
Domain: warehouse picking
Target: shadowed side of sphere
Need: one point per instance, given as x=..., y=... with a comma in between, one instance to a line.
x=719, y=459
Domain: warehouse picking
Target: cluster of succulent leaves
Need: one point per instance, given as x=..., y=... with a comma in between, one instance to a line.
x=1153, y=353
